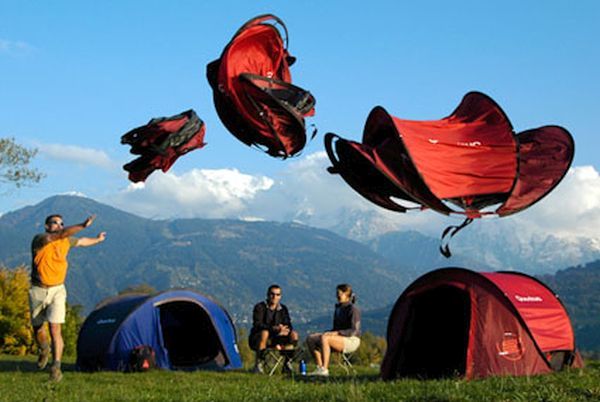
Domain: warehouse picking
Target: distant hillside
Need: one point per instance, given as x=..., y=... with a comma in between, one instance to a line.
x=577, y=287
x=419, y=253
x=485, y=248
x=232, y=261
x=374, y=321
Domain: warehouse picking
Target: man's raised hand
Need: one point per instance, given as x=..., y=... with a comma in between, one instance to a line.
x=89, y=220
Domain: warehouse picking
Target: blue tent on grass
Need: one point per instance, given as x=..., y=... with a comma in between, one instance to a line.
x=187, y=331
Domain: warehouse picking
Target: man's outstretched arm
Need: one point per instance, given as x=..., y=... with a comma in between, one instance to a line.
x=90, y=241
x=71, y=230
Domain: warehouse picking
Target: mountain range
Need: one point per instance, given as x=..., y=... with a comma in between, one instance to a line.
x=234, y=261
x=485, y=245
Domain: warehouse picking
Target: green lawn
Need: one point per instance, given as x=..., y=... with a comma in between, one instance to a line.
x=20, y=381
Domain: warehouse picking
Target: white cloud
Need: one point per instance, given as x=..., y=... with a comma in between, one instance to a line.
x=571, y=210
x=76, y=154
x=14, y=47
x=221, y=193
x=304, y=191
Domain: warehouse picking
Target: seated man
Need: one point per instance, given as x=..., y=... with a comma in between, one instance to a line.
x=271, y=326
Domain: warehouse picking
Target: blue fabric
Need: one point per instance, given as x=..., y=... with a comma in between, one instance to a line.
x=220, y=319
x=142, y=327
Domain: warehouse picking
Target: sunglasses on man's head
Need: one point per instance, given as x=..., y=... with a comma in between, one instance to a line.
x=56, y=223
x=274, y=294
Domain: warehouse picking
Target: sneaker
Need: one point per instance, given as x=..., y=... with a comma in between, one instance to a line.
x=55, y=374
x=43, y=358
x=259, y=367
x=320, y=371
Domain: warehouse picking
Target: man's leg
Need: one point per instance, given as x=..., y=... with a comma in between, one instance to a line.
x=57, y=342
x=56, y=317
x=294, y=338
x=263, y=338
x=42, y=343
x=57, y=350
x=37, y=297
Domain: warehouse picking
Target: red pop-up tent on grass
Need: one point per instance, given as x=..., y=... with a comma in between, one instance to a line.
x=457, y=322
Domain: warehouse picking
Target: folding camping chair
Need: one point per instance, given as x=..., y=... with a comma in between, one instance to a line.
x=275, y=358
x=344, y=360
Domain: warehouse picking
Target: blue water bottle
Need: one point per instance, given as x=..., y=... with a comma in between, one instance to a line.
x=302, y=367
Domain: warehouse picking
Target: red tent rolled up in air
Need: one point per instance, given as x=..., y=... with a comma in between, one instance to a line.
x=457, y=322
x=470, y=163
x=161, y=142
x=253, y=91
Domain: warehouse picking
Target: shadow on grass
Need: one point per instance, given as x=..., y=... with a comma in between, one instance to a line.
x=26, y=366
x=360, y=378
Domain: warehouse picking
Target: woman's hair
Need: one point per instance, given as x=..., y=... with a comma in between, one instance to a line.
x=347, y=289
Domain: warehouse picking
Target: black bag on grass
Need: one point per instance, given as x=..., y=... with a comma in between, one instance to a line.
x=142, y=358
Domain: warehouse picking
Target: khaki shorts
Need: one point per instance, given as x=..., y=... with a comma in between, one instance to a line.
x=47, y=304
x=351, y=343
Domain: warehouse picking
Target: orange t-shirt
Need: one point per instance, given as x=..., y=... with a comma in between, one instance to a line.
x=49, y=266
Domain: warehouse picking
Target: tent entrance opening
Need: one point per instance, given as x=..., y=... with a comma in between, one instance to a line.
x=436, y=336
x=189, y=335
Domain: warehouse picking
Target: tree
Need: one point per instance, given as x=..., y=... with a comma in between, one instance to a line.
x=14, y=164
x=15, y=330
x=16, y=334
x=371, y=350
x=71, y=327
x=246, y=353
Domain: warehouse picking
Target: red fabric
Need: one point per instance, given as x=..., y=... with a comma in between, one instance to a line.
x=471, y=159
x=371, y=183
x=500, y=344
x=159, y=143
x=508, y=335
x=471, y=152
x=545, y=156
x=544, y=315
x=253, y=93
x=258, y=50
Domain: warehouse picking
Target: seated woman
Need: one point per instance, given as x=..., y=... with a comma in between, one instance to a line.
x=344, y=337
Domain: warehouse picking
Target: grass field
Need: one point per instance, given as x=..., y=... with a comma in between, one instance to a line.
x=20, y=381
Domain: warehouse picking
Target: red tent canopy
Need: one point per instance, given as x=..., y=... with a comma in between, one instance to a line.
x=161, y=142
x=470, y=163
x=253, y=91
x=454, y=321
x=471, y=159
x=543, y=313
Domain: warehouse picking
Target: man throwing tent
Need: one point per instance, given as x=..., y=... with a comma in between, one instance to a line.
x=47, y=296
x=271, y=326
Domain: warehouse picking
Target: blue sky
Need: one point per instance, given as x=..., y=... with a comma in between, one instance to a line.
x=76, y=75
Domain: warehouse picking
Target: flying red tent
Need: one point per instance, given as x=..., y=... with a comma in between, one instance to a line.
x=456, y=322
x=470, y=163
x=253, y=91
x=160, y=142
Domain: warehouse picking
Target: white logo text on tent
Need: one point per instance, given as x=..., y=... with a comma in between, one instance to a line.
x=529, y=299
